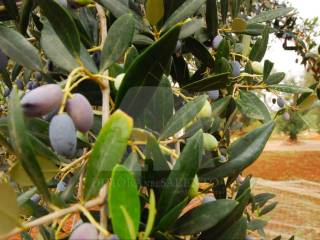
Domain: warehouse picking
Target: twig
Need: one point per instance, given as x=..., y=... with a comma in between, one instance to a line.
x=55, y=215
x=105, y=108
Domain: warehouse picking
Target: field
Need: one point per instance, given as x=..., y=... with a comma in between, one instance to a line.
x=292, y=172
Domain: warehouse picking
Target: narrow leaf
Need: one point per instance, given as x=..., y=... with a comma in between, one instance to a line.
x=187, y=9
x=260, y=46
x=123, y=202
x=270, y=15
x=118, y=40
x=63, y=25
x=290, y=88
x=243, y=152
x=180, y=179
x=22, y=145
x=107, y=152
x=9, y=210
x=183, y=116
x=203, y=217
x=212, y=17
x=19, y=49
x=154, y=11
x=146, y=71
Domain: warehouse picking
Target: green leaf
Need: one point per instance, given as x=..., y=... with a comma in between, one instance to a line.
x=151, y=216
x=261, y=199
x=19, y=175
x=224, y=225
x=107, y=152
x=237, y=230
x=235, y=4
x=154, y=11
x=130, y=56
x=118, y=40
x=275, y=78
x=190, y=27
x=183, y=116
x=223, y=49
x=270, y=15
x=153, y=152
x=187, y=9
x=171, y=216
x=256, y=29
x=59, y=54
x=213, y=82
x=212, y=17
x=160, y=108
x=199, y=51
x=9, y=210
x=118, y=9
x=224, y=10
x=203, y=217
x=22, y=146
x=19, y=49
x=256, y=224
x=238, y=25
x=179, y=181
x=260, y=46
x=268, y=208
x=252, y=106
x=146, y=70
x=123, y=203
x=219, y=106
x=243, y=152
x=133, y=165
x=267, y=68
x=290, y=88
x=63, y=25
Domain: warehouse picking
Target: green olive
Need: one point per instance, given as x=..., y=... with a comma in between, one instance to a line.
x=193, y=191
x=206, y=110
x=210, y=143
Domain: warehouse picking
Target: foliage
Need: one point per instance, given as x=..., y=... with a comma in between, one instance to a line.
x=146, y=146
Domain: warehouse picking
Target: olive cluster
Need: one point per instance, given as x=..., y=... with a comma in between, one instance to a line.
x=63, y=127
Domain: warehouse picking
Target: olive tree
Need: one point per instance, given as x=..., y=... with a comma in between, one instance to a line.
x=122, y=111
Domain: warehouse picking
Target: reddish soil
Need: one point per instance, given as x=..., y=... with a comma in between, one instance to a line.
x=287, y=166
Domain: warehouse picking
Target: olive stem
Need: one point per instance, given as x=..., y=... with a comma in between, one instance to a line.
x=105, y=108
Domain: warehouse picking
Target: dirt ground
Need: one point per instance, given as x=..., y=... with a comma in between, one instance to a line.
x=292, y=172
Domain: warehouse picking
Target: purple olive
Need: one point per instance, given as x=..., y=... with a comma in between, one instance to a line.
x=61, y=186
x=80, y=110
x=35, y=84
x=286, y=116
x=19, y=84
x=6, y=92
x=42, y=100
x=3, y=60
x=236, y=68
x=35, y=198
x=38, y=76
x=223, y=159
x=214, y=94
x=29, y=85
x=85, y=231
x=208, y=199
x=63, y=135
x=280, y=102
x=113, y=237
x=216, y=41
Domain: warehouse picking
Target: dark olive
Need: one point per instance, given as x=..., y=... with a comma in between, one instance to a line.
x=63, y=135
x=42, y=100
x=80, y=110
